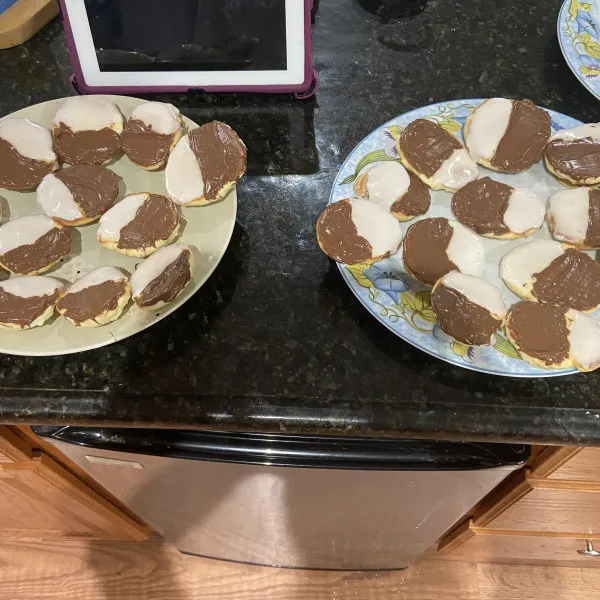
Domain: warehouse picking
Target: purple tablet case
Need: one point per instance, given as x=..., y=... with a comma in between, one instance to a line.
x=304, y=90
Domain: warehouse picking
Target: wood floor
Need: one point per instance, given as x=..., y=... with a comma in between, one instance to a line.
x=151, y=571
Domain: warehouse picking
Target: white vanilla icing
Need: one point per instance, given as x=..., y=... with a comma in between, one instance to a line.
x=113, y=220
x=162, y=117
x=28, y=138
x=518, y=266
x=56, y=200
x=24, y=231
x=386, y=182
x=153, y=266
x=457, y=170
x=525, y=211
x=476, y=290
x=376, y=225
x=183, y=177
x=591, y=130
x=96, y=277
x=568, y=214
x=89, y=113
x=584, y=339
x=32, y=286
x=466, y=250
x=487, y=126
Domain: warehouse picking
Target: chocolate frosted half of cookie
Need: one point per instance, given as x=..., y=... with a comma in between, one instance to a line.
x=468, y=308
x=433, y=247
x=139, y=225
x=574, y=217
x=205, y=165
x=507, y=135
x=26, y=154
x=498, y=210
x=95, y=299
x=27, y=302
x=395, y=189
x=162, y=277
x=436, y=156
x=355, y=230
x=33, y=244
x=87, y=130
x=77, y=195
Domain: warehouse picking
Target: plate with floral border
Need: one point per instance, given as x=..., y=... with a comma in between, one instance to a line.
x=401, y=303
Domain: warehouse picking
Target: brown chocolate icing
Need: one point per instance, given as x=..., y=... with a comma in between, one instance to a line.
x=143, y=145
x=166, y=287
x=523, y=142
x=18, y=172
x=339, y=237
x=571, y=280
x=592, y=236
x=415, y=201
x=94, y=188
x=154, y=220
x=425, y=247
x=221, y=155
x=86, y=147
x=30, y=258
x=17, y=310
x=465, y=321
x=579, y=159
x=539, y=330
x=426, y=145
x=92, y=301
x=481, y=205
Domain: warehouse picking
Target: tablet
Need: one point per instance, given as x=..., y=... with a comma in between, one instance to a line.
x=136, y=46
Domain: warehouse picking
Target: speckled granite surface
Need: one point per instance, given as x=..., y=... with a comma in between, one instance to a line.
x=275, y=341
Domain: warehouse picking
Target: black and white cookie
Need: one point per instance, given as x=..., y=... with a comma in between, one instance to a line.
x=574, y=217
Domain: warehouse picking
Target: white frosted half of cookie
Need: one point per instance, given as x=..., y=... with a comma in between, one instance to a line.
x=153, y=266
x=487, y=126
x=477, y=290
x=525, y=211
x=584, y=339
x=376, y=225
x=89, y=113
x=96, y=277
x=183, y=177
x=56, y=200
x=457, y=170
x=24, y=231
x=386, y=182
x=28, y=138
x=568, y=213
x=520, y=264
x=114, y=219
x=162, y=117
x=466, y=250
x=31, y=287
x=591, y=130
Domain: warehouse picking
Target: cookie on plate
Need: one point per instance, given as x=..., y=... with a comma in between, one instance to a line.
x=31, y=245
x=162, y=277
x=547, y=272
x=95, y=299
x=139, y=225
x=498, y=210
x=468, y=308
x=26, y=154
x=205, y=165
x=27, y=302
x=87, y=130
x=396, y=189
x=433, y=247
x=574, y=217
x=355, y=230
x=77, y=195
x=584, y=340
x=151, y=133
x=436, y=156
x=507, y=135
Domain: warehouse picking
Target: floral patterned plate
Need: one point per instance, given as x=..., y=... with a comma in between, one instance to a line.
x=400, y=302
x=579, y=38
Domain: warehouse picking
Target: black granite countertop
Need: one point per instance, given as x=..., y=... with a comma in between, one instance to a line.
x=275, y=340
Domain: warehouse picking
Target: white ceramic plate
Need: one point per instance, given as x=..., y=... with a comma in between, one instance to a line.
x=206, y=229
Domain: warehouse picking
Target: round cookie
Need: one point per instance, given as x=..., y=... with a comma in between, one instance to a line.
x=544, y=271
x=355, y=230
x=507, y=135
x=436, y=156
x=497, y=210
x=205, y=165
x=584, y=340
x=434, y=247
x=26, y=154
x=573, y=155
x=139, y=225
x=77, y=195
x=27, y=302
x=87, y=130
x=574, y=217
x=396, y=189
x=95, y=299
x=31, y=245
x=468, y=308
x=151, y=133
x=161, y=278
